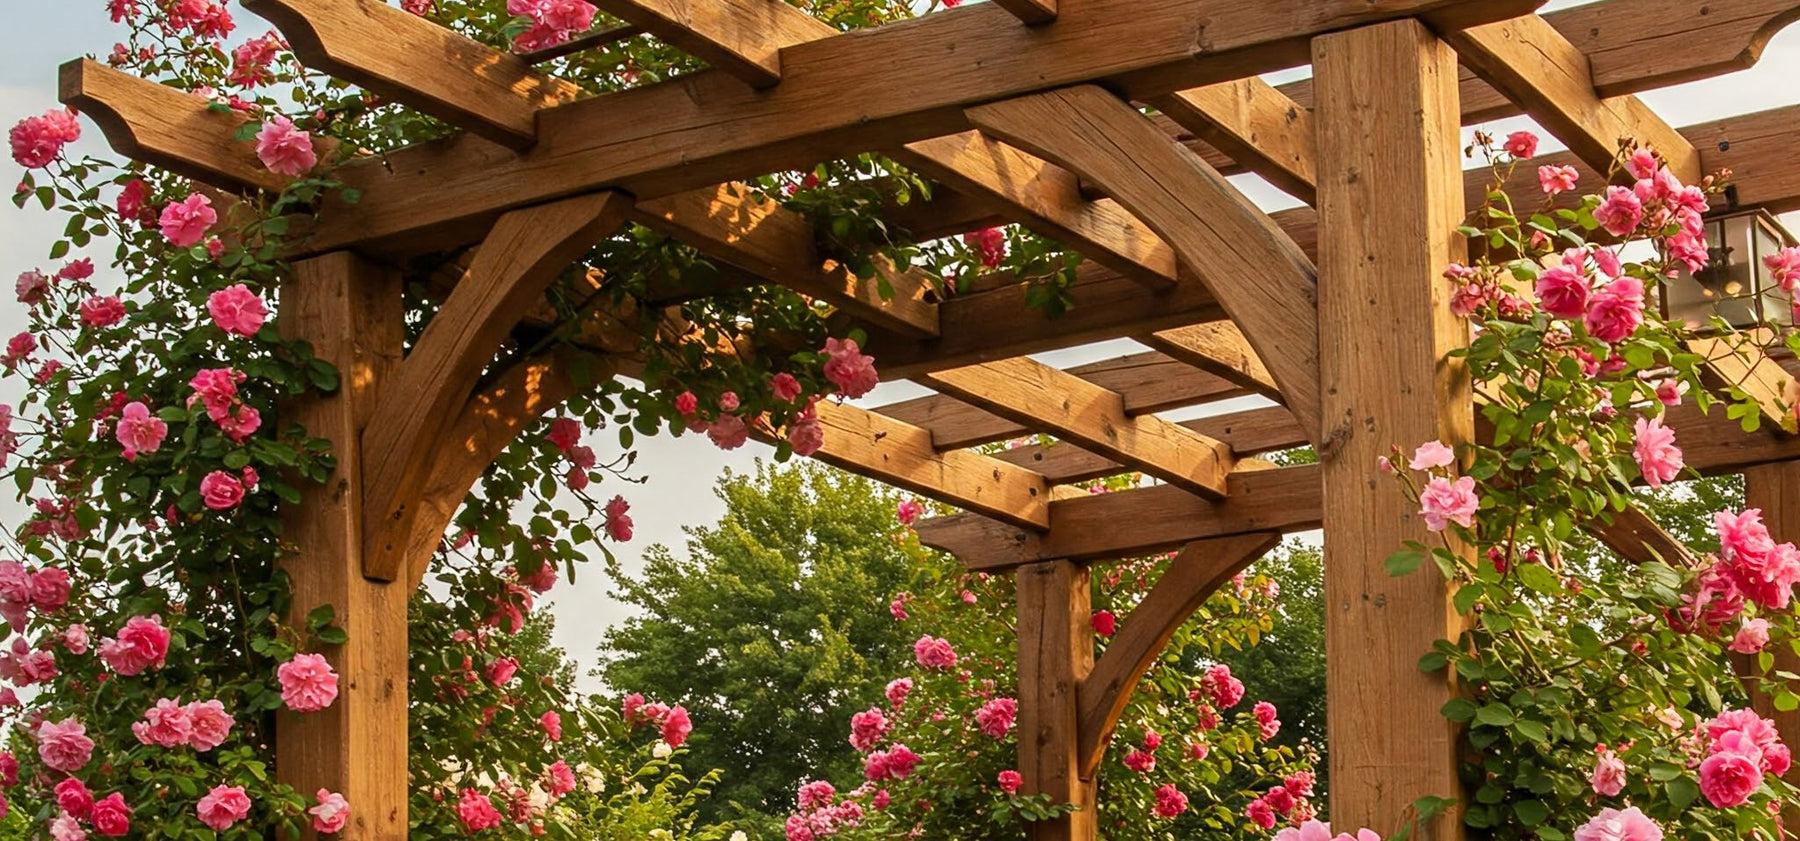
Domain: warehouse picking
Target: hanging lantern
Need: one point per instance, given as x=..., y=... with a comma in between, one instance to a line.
x=1735, y=285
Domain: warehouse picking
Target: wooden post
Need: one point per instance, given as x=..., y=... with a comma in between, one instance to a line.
x=1390, y=198
x=350, y=310
x=1775, y=488
x=1056, y=652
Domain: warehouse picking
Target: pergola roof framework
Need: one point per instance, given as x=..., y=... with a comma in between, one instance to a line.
x=1170, y=264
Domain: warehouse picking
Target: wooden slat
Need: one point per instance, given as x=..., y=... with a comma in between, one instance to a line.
x=1030, y=11
x=732, y=224
x=1259, y=275
x=1390, y=198
x=1046, y=199
x=1056, y=653
x=1071, y=408
x=840, y=96
x=741, y=37
x=1638, y=539
x=1218, y=348
x=1256, y=125
x=1189, y=579
x=493, y=94
x=901, y=455
x=1246, y=433
x=1536, y=67
x=1741, y=364
x=523, y=255
x=582, y=43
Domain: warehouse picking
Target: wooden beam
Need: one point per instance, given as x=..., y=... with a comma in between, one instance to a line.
x=1390, y=198
x=1219, y=348
x=1045, y=198
x=1030, y=11
x=1740, y=364
x=1256, y=125
x=1536, y=67
x=1056, y=653
x=493, y=94
x=732, y=224
x=582, y=43
x=838, y=98
x=743, y=38
x=1259, y=275
x=517, y=262
x=1189, y=579
x=1637, y=538
x=1246, y=433
x=901, y=455
x=1073, y=409
x=351, y=312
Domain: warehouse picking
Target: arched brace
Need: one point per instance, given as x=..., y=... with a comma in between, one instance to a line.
x=525, y=252
x=1192, y=577
x=1262, y=279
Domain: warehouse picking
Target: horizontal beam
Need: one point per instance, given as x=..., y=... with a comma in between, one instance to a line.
x=743, y=38
x=1740, y=364
x=1218, y=348
x=1255, y=125
x=1247, y=433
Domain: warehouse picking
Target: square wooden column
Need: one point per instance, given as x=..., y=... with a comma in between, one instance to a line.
x=1390, y=198
x=1775, y=488
x=1056, y=653
x=350, y=311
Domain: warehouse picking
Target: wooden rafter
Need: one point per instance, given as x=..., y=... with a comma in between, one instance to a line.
x=582, y=43
x=1190, y=578
x=1246, y=433
x=525, y=252
x=1218, y=348
x=1535, y=66
x=1740, y=363
x=1073, y=409
x=1045, y=198
x=1637, y=538
x=1030, y=11
x=1257, y=273
x=741, y=37
x=1256, y=125
x=493, y=94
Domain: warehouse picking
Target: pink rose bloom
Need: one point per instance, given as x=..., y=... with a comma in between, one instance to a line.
x=64, y=745
x=476, y=811
x=75, y=638
x=989, y=244
x=1521, y=144
x=1010, y=781
x=1266, y=719
x=1105, y=623
x=221, y=491
x=728, y=432
x=618, y=523
x=815, y=795
x=185, y=223
x=785, y=387
x=1752, y=637
x=1784, y=269
x=1621, y=213
x=36, y=141
x=1563, y=293
x=1226, y=691
x=285, y=149
x=1615, y=312
x=559, y=779
x=897, y=690
x=1557, y=179
x=1170, y=802
x=235, y=309
x=806, y=437
x=1140, y=761
x=849, y=369
x=211, y=725
x=308, y=683
x=1657, y=456
x=31, y=287
x=66, y=828
x=9, y=769
x=934, y=653
x=1444, y=502
x=564, y=434
x=141, y=644
x=729, y=401
x=1300, y=783
x=1728, y=779
x=866, y=729
x=49, y=589
x=73, y=796
x=551, y=721
x=131, y=200
x=1261, y=814
x=676, y=726
x=501, y=671
x=1608, y=778
x=102, y=311
x=1314, y=830
x=901, y=761
x=995, y=718
x=909, y=511
x=223, y=806
x=217, y=388
x=1432, y=454
x=139, y=431
x=417, y=7
x=332, y=813
x=686, y=403
x=112, y=817
x=165, y=725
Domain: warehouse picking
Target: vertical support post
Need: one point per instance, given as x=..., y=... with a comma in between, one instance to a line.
x=1775, y=488
x=1390, y=198
x=350, y=311
x=1056, y=652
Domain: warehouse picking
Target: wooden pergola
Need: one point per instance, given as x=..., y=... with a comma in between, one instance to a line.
x=1025, y=111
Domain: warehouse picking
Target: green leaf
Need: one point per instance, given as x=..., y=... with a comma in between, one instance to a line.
x=1459, y=710
x=1403, y=562
x=1531, y=812
x=1495, y=714
x=1540, y=579
x=320, y=616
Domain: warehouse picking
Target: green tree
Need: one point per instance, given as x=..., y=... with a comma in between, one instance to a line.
x=1287, y=668
x=772, y=630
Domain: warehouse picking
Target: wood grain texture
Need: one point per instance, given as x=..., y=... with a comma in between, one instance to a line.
x=1246, y=433
x=1030, y=11
x=1073, y=409
x=1390, y=198
x=1638, y=539
x=1056, y=653
x=1045, y=198
x=517, y=262
x=350, y=311
x=1536, y=67
x=494, y=95
x=1740, y=364
x=741, y=37
x=1255, y=125
x=1258, y=274
x=1189, y=579
x=734, y=225
x=1220, y=348
x=874, y=88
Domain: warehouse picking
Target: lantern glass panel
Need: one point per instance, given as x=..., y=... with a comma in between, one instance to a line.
x=1727, y=286
x=1777, y=309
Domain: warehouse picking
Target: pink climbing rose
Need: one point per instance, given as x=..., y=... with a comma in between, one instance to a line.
x=1615, y=311
x=934, y=653
x=676, y=726
x=211, y=723
x=64, y=745
x=223, y=806
x=1563, y=293
x=285, y=149
x=1105, y=623
x=1445, y=501
x=112, y=817
x=1010, y=781
x=995, y=718
x=1314, y=830
x=849, y=369
x=867, y=728
x=308, y=683
x=142, y=644
x=909, y=511
x=1784, y=269
x=1521, y=144
x=1432, y=454
x=185, y=223
x=1558, y=179
x=551, y=722
x=476, y=811
x=1608, y=778
x=221, y=491
x=37, y=141
x=139, y=431
x=1170, y=802
x=102, y=311
x=1657, y=456
x=165, y=725
x=785, y=387
x=728, y=432
x=332, y=813
x=1266, y=720
x=235, y=309
x=1729, y=778
x=618, y=519
x=74, y=797
x=1621, y=212
x=1751, y=637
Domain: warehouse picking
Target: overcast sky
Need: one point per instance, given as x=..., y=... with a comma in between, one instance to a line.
x=679, y=473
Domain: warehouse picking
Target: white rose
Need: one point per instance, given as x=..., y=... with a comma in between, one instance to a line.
x=739, y=836
x=662, y=750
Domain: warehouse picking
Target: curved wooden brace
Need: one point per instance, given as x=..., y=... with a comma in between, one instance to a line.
x=516, y=263
x=1192, y=577
x=1619, y=36
x=409, y=59
x=741, y=37
x=1259, y=275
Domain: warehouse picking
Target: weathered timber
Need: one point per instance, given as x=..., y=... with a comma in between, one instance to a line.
x=1219, y=348
x=743, y=38
x=1056, y=653
x=1255, y=125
